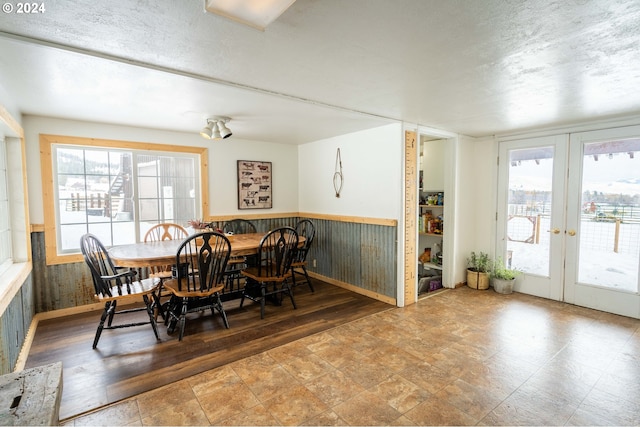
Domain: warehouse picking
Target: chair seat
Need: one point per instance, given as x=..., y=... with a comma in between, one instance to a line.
x=161, y=275
x=172, y=286
x=252, y=273
x=141, y=287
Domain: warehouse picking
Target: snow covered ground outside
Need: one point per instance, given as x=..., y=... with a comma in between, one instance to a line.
x=599, y=264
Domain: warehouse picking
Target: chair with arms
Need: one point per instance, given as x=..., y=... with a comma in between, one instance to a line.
x=306, y=229
x=160, y=232
x=112, y=286
x=201, y=261
x=270, y=276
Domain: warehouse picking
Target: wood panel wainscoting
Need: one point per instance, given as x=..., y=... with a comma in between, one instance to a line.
x=352, y=252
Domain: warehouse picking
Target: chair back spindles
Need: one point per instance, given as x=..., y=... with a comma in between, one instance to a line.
x=203, y=260
x=239, y=226
x=165, y=231
x=276, y=252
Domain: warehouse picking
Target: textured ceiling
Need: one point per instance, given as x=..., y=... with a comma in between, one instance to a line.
x=327, y=67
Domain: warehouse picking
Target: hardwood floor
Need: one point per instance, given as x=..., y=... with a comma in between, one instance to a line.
x=130, y=361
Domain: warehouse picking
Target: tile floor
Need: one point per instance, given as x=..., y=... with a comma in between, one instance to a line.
x=460, y=357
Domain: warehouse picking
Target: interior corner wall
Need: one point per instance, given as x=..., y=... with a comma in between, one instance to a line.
x=475, y=186
x=223, y=156
x=371, y=168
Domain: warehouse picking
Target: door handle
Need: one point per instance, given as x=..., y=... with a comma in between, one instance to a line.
x=571, y=232
x=555, y=230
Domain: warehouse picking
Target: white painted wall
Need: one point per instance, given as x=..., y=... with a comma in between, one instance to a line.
x=475, y=208
x=372, y=169
x=222, y=161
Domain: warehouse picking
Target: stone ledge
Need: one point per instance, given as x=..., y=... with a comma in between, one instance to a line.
x=32, y=396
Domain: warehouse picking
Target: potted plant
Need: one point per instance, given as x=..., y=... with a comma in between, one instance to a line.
x=503, y=278
x=479, y=267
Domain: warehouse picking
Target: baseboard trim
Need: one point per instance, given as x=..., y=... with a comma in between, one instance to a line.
x=352, y=288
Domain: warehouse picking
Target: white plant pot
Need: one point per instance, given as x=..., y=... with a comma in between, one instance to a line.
x=503, y=286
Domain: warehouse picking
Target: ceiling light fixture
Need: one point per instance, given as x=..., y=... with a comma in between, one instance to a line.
x=225, y=132
x=207, y=131
x=254, y=13
x=216, y=128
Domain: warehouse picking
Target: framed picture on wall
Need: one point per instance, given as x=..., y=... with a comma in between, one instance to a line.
x=254, y=185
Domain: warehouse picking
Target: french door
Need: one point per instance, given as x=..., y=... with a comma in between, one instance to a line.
x=569, y=217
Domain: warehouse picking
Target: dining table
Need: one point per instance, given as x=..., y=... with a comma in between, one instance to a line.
x=163, y=252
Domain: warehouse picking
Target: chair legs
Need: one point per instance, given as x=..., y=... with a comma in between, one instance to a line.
x=110, y=310
x=275, y=294
x=172, y=319
x=304, y=273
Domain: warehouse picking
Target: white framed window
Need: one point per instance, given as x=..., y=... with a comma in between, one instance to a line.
x=116, y=190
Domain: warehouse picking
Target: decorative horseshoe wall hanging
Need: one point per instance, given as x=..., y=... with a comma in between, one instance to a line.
x=338, y=179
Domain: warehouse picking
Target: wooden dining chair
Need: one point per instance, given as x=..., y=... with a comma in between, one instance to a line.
x=160, y=232
x=239, y=226
x=269, y=278
x=236, y=264
x=306, y=229
x=201, y=261
x=112, y=286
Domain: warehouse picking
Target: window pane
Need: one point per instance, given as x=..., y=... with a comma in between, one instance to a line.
x=147, y=187
x=609, y=229
x=70, y=160
x=149, y=210
x=5, y=231
x=111, y=192
x=70, y=237
x=530, y=176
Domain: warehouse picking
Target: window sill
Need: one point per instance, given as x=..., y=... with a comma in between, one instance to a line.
x=11, y=281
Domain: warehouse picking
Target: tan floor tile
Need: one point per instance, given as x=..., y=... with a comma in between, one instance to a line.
x=473, y=400
x=295, y=405
x=339, y=355
x=226, y=402
x=601, y=408
x=506, y=414
x=394, y=358
x=427, y=377
x=367, y=409
x=172, y=395
x=214, y=379
x=533, y=406
x=436, y=412
x=119, y=414
x=622, y=387
x=188, y=414
x=269, y=383
x=307, y=367
x=401, y=394
x=328, y=418
x=294, y=350
x=334, y=388
x=565, y=379
x=247, y=368
x=256, y=416
x=366, y=372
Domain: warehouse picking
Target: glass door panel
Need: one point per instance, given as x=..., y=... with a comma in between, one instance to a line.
x=609, y=248
x=530, y=212
x=603, y=221
x=529, y=209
